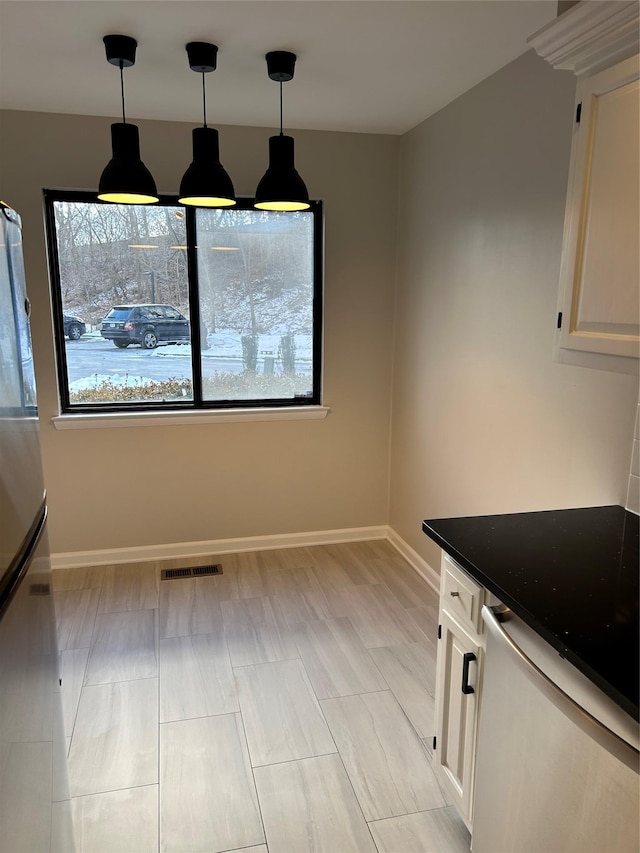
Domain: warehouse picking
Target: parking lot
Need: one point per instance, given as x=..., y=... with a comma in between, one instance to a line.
x=92, y=356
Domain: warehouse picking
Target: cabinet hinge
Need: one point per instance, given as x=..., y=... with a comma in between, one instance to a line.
x=559, y=326
x=434, y=742
x=439, y=632
x=578, y=112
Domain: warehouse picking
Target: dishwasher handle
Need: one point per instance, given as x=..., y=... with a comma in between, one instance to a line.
x=610, y=741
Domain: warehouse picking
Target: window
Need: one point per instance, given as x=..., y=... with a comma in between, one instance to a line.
x=164, y=307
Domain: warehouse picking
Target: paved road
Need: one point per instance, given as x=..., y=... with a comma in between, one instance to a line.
x=89, y=356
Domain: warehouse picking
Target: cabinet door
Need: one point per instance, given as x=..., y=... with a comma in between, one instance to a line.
x=457, y=712
x=600, y=270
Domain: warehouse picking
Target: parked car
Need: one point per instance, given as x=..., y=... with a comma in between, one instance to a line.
x=74, y=328
x=147, y=325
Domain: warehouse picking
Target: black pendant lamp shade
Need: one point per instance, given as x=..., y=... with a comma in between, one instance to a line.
x=281, y=188
x=205, y=183
x=125, y=179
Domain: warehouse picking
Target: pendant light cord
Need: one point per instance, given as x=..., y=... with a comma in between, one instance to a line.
x=281, y=108
x=124, y=121
x=204, y=102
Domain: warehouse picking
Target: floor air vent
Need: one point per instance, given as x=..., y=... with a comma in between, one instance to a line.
x=191, y=572
x=175, y=574
x=199, y=571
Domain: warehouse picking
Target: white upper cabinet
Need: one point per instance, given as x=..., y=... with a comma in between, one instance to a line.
x=600, y=275
x=599, y=296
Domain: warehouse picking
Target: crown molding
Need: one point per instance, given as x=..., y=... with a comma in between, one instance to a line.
x=591, y=36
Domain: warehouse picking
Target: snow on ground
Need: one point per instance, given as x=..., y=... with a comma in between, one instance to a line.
x=113, y=379
x=224, y=344
x=228, y=344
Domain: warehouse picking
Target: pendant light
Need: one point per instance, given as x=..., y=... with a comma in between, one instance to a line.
x=125, y=180
x=205, y=183
x=281, y=188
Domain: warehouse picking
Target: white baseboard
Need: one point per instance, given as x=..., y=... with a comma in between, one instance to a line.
x=179, y=550
x=414, y=559
x=207, y=548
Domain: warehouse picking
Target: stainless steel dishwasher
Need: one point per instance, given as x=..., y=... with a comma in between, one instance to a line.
x=557, y=762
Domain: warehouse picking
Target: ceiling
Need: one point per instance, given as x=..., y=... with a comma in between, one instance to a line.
x=373, y=66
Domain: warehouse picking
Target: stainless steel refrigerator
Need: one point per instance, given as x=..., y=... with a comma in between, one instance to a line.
x=34, y=799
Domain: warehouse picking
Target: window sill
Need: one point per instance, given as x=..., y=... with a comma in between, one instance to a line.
x=112, y=420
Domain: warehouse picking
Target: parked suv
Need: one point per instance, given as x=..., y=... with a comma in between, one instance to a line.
x=147, y=325
x=74, y=328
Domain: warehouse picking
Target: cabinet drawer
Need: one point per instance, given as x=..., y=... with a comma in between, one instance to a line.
x=462, y=597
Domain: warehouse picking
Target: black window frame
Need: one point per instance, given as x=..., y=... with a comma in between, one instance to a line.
x=197, y=404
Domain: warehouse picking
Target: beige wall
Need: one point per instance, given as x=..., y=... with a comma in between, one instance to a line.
x=484, y=420
x=118, y=488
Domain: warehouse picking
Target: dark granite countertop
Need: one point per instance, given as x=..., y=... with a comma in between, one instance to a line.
x=571, y=574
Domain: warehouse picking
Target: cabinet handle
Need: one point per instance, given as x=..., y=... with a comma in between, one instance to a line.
x=454, y=594
x=466, y=660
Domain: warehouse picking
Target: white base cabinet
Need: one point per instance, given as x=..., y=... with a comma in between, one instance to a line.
x=458, y=685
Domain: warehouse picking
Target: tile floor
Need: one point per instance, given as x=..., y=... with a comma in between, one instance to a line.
x=284, y=706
